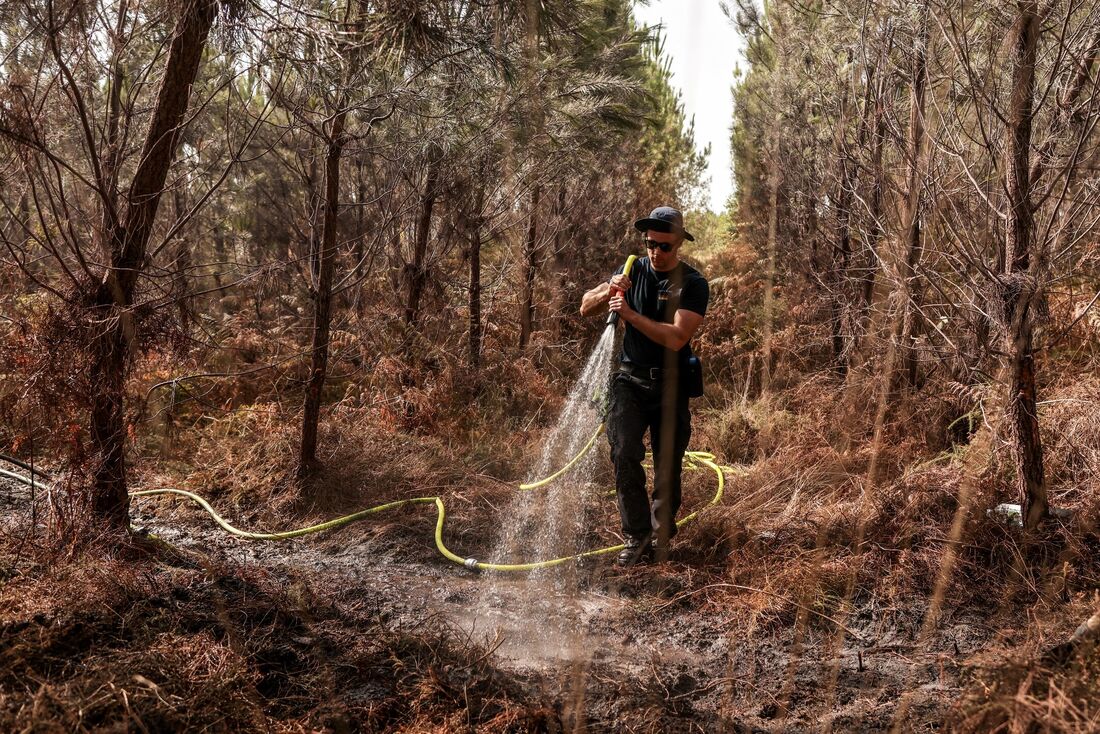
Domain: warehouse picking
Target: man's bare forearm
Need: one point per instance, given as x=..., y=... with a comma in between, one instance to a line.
x=593, y=299
x=669, y=336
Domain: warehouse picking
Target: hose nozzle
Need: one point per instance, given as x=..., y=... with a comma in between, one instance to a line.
x=613, y=317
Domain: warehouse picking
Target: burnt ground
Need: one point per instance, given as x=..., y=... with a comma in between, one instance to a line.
x=655, y=648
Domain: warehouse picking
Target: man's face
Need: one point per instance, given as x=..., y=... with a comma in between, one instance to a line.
x=664, y=260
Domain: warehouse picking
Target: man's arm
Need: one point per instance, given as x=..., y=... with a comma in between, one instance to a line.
x=595, y=298
x=670, y=336
x=601, y=294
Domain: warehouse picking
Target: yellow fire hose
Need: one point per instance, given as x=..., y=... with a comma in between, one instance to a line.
x=695, y=459
x=567, y=467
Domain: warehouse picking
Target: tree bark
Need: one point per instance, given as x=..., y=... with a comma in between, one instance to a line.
x=1018, y=283
x=911, y=291
x=898, y=348
x=769, y=271
x=322, y=260
x=127, y=242
x=530, y=269
x=842, y=249
x=473, y=234
x=415, y=273
x=359, y=251
x=878, y=177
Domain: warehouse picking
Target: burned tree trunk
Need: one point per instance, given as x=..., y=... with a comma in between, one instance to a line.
x=876, y=127
x=769, y=273
x=903, y=311
x=127, y=241
x=322, y=260
x=910, y=287
x=415, y=273
x=529, y=264
x=1019, y=284
x=473, y=225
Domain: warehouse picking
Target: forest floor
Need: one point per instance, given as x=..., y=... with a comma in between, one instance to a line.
x=670, y=647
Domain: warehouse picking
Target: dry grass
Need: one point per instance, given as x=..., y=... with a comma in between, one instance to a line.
x=155, y=644
x=803, y=546
x=805, y=543
x=1028, y=690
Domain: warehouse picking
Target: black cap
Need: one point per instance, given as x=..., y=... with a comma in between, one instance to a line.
x=664, y=219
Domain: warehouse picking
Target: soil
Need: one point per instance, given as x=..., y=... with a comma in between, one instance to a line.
x=618, y=650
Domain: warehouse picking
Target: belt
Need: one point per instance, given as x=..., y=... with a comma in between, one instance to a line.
x=644, y=373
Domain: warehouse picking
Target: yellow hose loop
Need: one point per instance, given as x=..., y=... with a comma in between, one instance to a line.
x=572, y=462
x=328, y=525
x=439, y=516
x=701, y=457
x=706, y=460
x=695, y=459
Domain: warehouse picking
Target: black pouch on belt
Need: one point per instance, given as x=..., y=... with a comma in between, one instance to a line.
x=692, y=377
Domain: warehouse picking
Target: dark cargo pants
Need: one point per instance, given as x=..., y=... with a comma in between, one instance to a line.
x=636, y=407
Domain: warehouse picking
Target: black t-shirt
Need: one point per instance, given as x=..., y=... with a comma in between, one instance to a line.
x=658, y=296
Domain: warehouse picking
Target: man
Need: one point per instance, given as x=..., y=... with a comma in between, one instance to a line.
x=662, y=304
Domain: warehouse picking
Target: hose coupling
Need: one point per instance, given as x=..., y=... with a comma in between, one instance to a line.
x=470, y=563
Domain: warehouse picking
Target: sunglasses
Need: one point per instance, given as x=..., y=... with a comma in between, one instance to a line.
x=662, y=246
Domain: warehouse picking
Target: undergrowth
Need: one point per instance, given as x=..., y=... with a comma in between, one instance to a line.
x=805, y=547
x=175, y=643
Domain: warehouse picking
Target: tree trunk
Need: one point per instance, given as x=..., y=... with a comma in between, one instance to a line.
x=356, y=297
x=911, y=291
x=558, y=266
x=359, y=252
x=112, y=151
x=1019, y=285
x=322, y=260
x=415, y=273
x=878, y=178
x=181, y=264
x=127, y=243
x=110, y=497
x=530, y=269
x=769, y=272
x=842, y=250
x=473, y=234
x=900, y=327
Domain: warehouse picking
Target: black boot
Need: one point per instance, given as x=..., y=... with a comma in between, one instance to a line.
x=635, y=550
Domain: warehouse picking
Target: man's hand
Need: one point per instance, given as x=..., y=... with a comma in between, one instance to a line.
x=598, y=296
x=618, y=305
x=620, y=282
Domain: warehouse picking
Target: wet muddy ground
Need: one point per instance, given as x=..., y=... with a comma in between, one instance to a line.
x=635, y=650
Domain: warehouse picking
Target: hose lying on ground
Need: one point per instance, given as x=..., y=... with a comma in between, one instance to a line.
x=693, y=460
